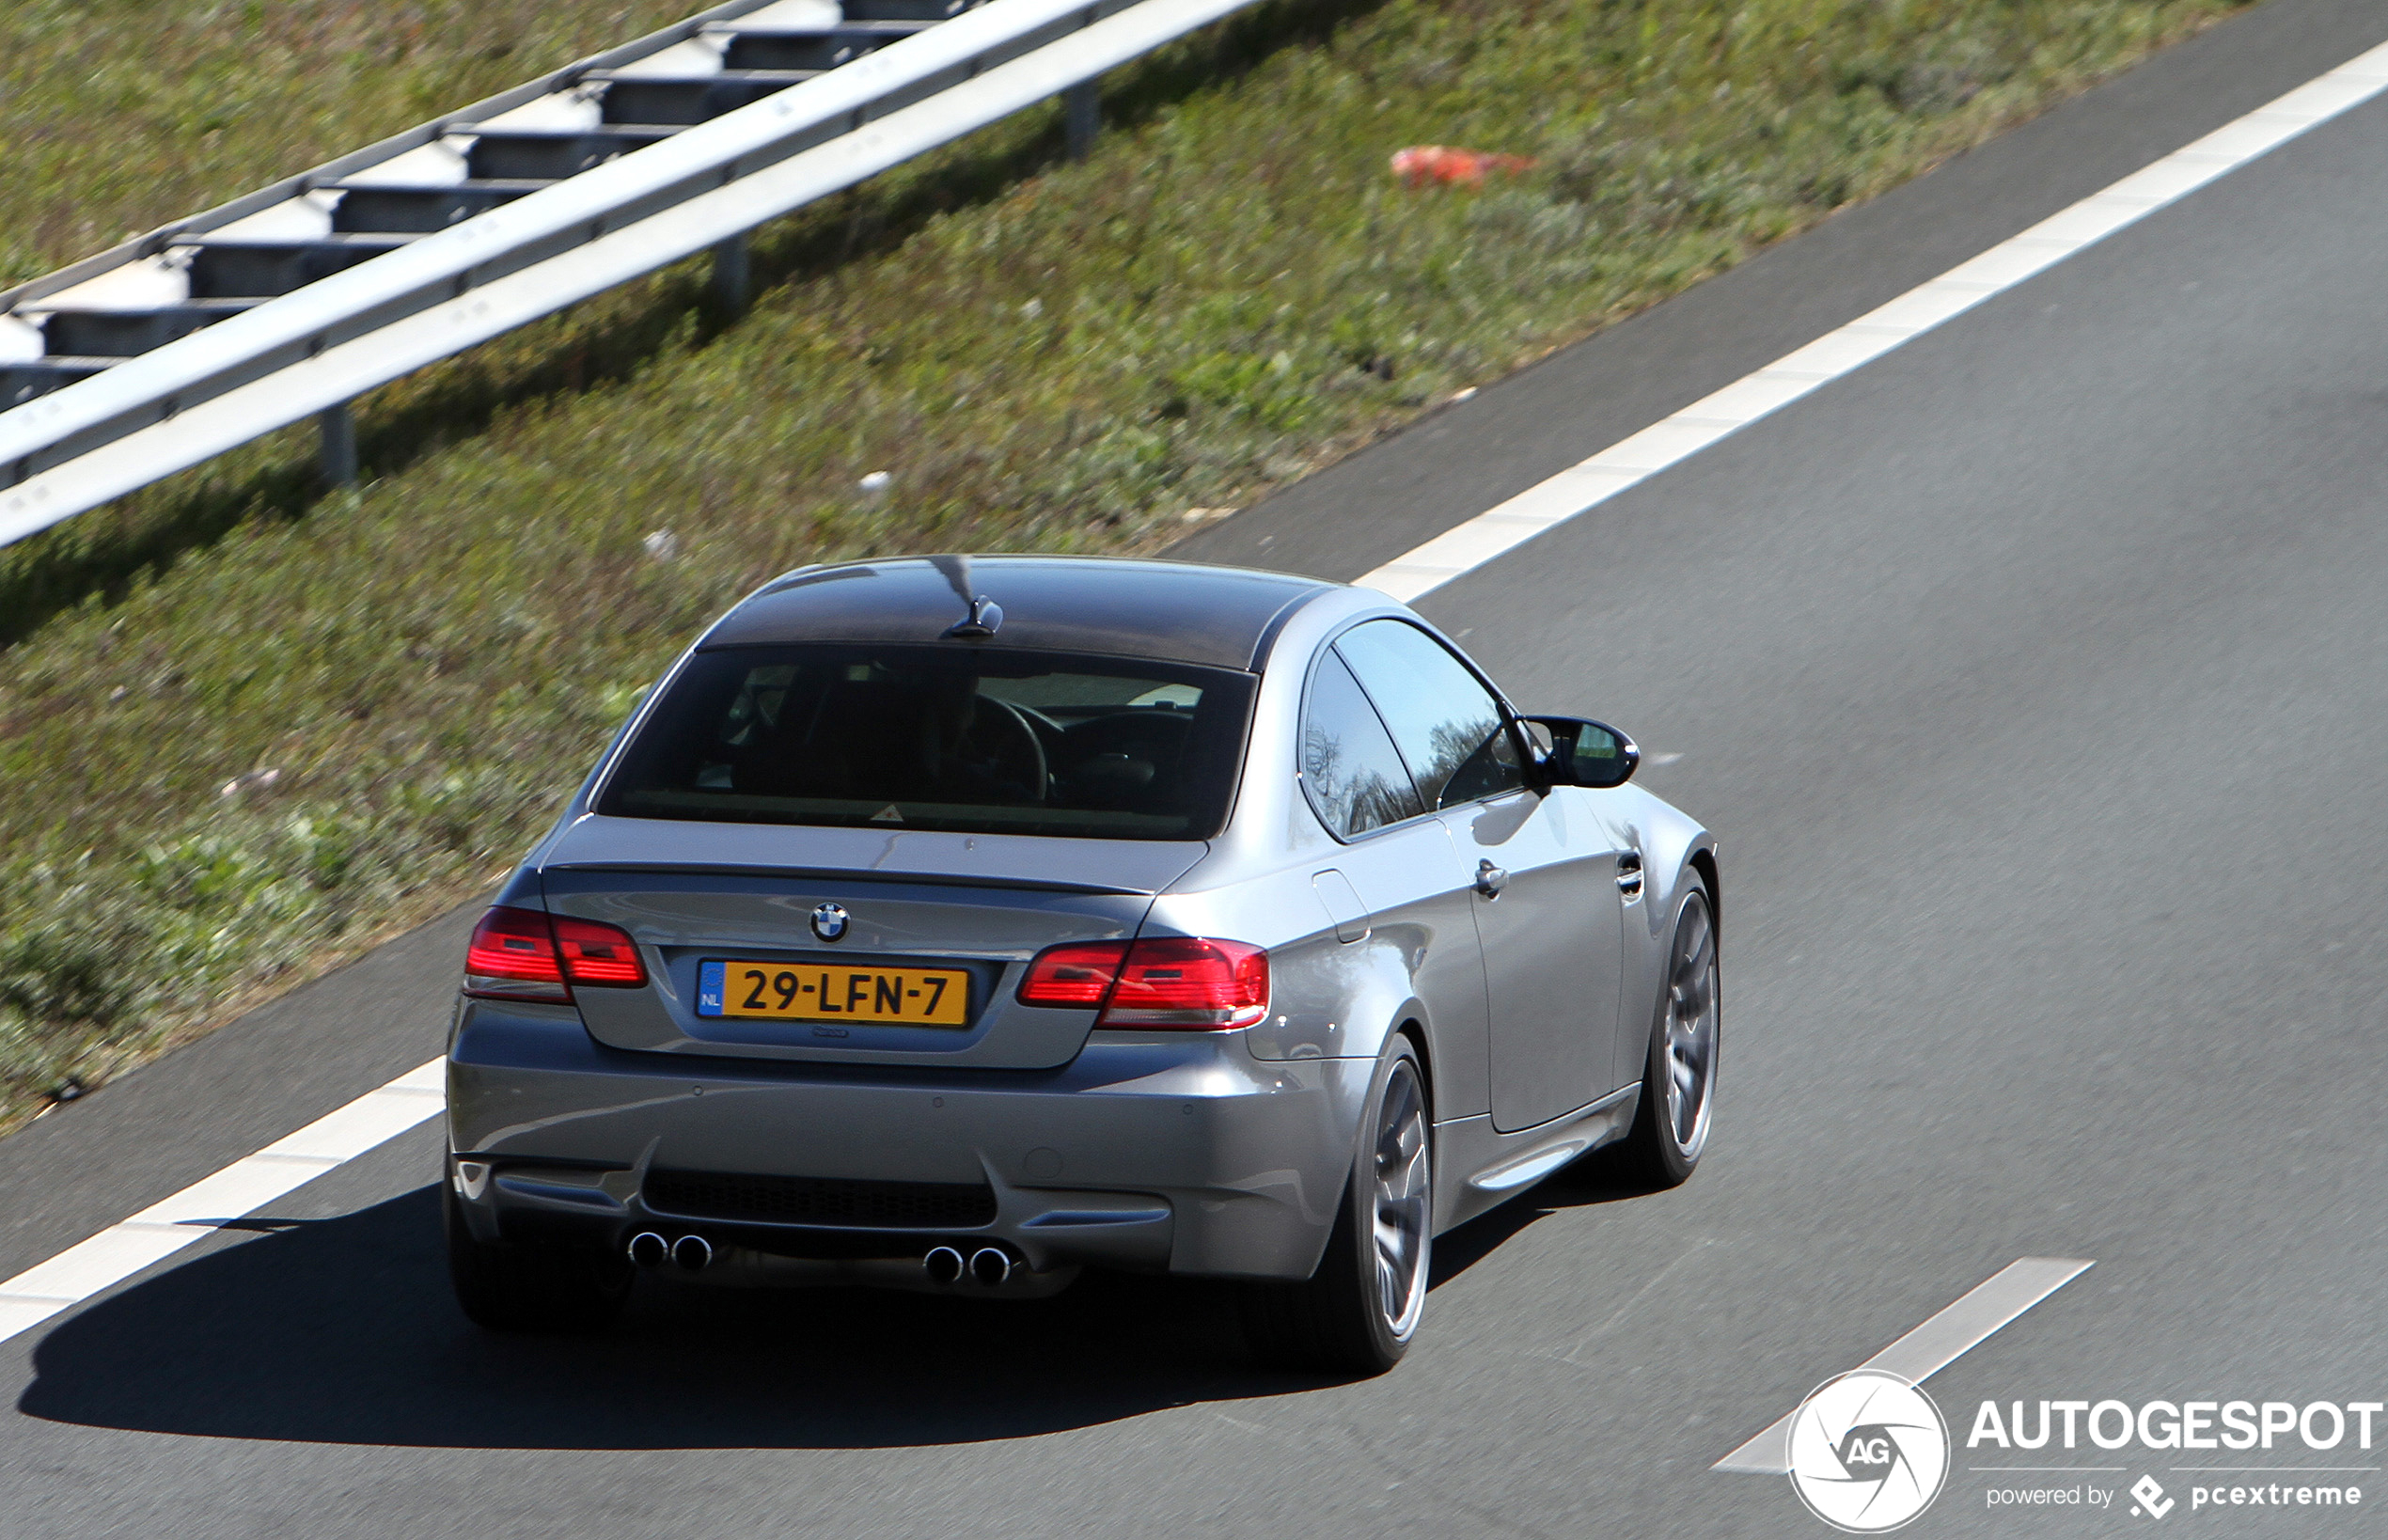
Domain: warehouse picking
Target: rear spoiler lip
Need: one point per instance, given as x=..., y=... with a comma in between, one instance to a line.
x=836, y=874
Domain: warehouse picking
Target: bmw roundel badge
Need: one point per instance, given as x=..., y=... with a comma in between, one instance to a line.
x=829, y=921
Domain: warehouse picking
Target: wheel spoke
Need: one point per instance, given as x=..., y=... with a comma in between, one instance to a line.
x=1691, y=946
x=1694, y=993
x=1396, y=1264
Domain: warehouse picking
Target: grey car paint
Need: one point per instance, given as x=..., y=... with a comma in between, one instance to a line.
x=1552, y=937
x=1220, y=1153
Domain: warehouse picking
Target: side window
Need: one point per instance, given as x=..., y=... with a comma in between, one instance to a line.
x=1356, y=780
x=1446, y=723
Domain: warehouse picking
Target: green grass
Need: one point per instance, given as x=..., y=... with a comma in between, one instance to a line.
x=1231, y=292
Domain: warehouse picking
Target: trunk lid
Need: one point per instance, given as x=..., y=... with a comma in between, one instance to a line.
x=977, y=905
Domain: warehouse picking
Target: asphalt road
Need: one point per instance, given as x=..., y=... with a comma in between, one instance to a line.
x=2032, y=679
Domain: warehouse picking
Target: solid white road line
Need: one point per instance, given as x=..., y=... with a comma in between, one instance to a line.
x=162, y=1229
x=115, y=1255
x=1932, y=1346
x=1588, y=483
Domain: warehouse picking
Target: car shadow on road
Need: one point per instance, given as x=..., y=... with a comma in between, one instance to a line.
x=1601, y=1177
x=342, y=1330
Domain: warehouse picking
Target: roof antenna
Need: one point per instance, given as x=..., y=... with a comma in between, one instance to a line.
x=985, y=614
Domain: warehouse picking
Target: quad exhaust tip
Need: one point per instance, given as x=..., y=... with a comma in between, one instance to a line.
x=694, y=1253
x=987, y=1266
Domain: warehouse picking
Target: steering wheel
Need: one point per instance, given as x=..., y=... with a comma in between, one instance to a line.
x=1014, y=745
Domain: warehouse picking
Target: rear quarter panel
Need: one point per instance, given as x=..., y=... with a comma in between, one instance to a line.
x=1330, y=999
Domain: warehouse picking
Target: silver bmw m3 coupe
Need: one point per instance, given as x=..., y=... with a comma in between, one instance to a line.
x=962, y=923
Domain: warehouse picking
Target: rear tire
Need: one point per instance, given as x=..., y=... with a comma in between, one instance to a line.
x=1679, y=1068
x=530, y=1289
x=1358, y=1313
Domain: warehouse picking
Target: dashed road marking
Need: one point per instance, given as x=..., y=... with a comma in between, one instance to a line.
x=1932, y=1346
x=198, y=1210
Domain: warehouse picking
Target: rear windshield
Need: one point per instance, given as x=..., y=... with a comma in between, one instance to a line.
x=949, y=737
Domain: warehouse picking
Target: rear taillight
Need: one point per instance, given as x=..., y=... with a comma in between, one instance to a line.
x=598, y=954
x=1181, y=981
x=1164, y=981
x=513, y=955
x=1077, y=974
x=525, y=955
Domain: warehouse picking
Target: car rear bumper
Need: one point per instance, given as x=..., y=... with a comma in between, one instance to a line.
x=1176, y=1152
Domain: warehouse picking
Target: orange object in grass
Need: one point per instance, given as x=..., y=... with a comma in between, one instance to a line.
x=1423, y=165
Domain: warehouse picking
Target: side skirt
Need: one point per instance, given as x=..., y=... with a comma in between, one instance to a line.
x=1483, y=1169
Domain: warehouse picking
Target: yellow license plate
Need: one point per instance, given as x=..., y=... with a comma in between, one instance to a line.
x=907, y=997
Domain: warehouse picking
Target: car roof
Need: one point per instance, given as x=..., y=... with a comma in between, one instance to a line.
x=1224, y=617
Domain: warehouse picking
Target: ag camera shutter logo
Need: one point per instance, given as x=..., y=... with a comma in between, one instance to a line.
x=1869, y=1452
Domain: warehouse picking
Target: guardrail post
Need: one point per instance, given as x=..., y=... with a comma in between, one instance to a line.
x=1082, y=115
x=732, y=274
x=337, y=430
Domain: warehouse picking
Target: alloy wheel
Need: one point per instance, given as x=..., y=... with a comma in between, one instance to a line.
x=1404, y=1193
x=1691, y=1027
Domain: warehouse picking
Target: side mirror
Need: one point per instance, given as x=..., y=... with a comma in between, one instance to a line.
x=1586, y=753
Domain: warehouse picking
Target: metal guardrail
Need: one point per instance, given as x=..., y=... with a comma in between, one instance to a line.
x=829, y=102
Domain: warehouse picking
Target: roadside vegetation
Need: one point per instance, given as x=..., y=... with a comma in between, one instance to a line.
x=246, y=728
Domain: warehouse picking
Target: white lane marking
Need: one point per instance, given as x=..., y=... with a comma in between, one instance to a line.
x=1587, y=485
x=1932, y=1346
x=164, y=1228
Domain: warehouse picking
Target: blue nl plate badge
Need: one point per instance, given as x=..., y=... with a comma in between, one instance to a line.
x=709, y=982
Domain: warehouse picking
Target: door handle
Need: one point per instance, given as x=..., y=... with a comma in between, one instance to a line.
x=1629, y=874
x=1490, y=879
